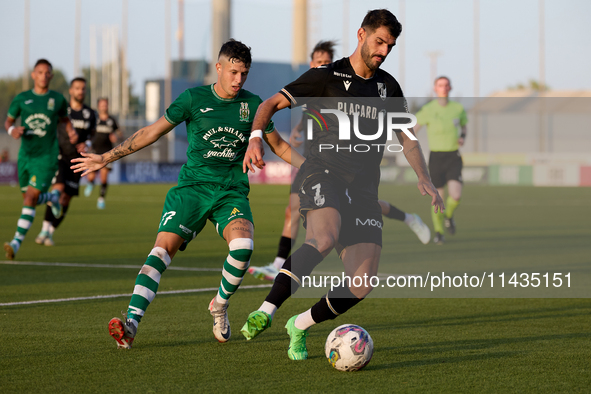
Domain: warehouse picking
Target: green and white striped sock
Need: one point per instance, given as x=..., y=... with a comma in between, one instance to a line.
x=44, y=198
x=22, y=227
x=146, y=283
x=234, y=268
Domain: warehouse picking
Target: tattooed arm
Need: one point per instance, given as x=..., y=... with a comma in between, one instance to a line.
x=139, y=140
x=414, y=155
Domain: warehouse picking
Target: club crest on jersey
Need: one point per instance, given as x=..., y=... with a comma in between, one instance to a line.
x=223, y=142
x=86, y=113
x=244, y=112
x=382, y=90
x=51, y=104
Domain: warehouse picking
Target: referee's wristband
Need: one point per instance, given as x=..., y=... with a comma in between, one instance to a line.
x=463, y=135
x=255, y=134
x=10, y=130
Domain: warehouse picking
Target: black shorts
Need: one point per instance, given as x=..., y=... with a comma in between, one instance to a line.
x=361, y=215
x=444, y=167
x=68, y=177
x=297, y=181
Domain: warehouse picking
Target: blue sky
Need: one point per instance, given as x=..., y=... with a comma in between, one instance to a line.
x=508, y=37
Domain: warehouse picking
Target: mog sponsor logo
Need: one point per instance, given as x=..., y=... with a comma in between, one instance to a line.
x=368, y=222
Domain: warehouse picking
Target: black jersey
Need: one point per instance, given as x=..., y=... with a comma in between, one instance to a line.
x=336, y=86
x=104, y=128
x=84, y=122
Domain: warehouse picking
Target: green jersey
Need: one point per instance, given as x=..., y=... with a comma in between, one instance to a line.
x=218, y=130
x=39, y=115
x=442, y=124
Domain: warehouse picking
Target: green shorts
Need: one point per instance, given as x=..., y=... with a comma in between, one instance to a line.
x=36, y=172
x=187, y=208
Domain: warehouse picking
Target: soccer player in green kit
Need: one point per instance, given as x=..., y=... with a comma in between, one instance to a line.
x=211, y=185
x=443, y=118
x=40, y=110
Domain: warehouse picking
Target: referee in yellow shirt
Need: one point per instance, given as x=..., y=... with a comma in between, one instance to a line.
x=446, y=129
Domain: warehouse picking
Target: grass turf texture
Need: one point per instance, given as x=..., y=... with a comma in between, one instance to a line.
x=449, y=345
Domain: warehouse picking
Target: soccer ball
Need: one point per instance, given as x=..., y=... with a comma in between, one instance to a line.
x=348, y=348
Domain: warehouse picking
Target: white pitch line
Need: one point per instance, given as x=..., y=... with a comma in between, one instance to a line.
x=173, y=268
x=100, y=297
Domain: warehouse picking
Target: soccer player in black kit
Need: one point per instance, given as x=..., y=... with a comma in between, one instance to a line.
x=67, y=181
x=340, y=190
x=107, y=133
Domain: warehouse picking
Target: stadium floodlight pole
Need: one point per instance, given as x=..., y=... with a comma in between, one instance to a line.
x=170, y=138
x=346, y=27
x=180, y=35
x=124, y=75
x=476, y=131
x=26, y=46
x=93, y=66
x=433, y=60
x=77, y=39
x=542, y=77
x=105, y=66
x=115, y=74
x=300, y=32
x=401, y=47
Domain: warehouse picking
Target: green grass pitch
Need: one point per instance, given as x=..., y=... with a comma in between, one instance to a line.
x=421, y=344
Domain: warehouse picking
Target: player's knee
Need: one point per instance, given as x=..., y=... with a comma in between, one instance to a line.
x=241, y=250
x=162, y=254
x=324, y=243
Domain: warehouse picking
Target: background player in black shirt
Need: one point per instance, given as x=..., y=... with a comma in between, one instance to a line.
x=322, y=54
x=107, y=134
x=340, y=187
x=67, y=181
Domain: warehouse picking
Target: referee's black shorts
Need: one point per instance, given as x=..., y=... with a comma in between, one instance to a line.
x=444, y=167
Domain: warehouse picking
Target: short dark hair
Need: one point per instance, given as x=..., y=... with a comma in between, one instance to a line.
x=102, y=99
x=324, y=46
x=382, y=17
x=77, y=79
x=43, y=61
x=235, y=50
x=442, y=77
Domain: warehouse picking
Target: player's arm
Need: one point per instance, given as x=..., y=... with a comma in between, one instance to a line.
x=462, y=138
x=72, y=135
x=295, y=134
x=139, y=140
x=254, y=153
x=282, y=149
x=13, y=131
x=414, y=155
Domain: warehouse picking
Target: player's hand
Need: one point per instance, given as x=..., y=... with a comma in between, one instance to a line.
x=89, y=162
x=426, y=187
x=81, y=148
x=294, y=138
x=17, y=132
x=254, y=155
x=461, y=141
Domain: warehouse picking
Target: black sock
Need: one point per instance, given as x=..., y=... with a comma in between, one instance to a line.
x=56, y=222
x=339, y=300
x=284, y=247
x=306, y=259
x=103, y=190
x=49, y=215
x=396, y=213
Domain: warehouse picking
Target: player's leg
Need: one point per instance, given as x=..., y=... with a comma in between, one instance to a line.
x=454, y=189
x=34, y=179
x=146, y=286
x=412, y=220
x=104, y=175
x=90, y=185
x=322, y=230
x=69, y=188
x=238, y=234
x=45, y=237
x=179, y=221
x=288, y=235
x=437, y=172
x=359, y=260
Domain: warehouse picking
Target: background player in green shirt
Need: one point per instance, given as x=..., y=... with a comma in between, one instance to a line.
x=443, y=118
x=211, y=185
x=40, y=110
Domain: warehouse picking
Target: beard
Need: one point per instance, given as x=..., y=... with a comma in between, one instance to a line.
x=368, y=58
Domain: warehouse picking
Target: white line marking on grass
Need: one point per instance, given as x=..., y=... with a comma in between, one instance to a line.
x=100, y=297
x=173, y=268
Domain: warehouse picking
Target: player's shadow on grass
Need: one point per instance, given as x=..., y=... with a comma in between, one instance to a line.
x=439, y=360
x=508, y=316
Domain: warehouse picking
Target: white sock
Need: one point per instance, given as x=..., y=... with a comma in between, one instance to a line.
x=278, y=263
x=304, y=320
x=51, y=229
x=220, y=300
x=268, y=308
x=408, y=219
x=45, y=227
